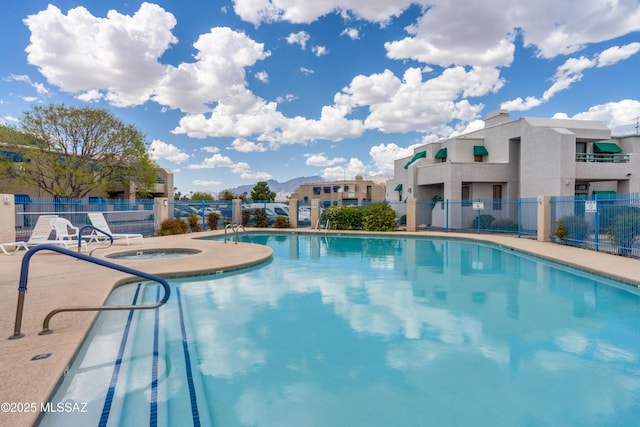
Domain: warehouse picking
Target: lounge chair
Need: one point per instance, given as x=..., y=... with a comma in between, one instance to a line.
x=67, y=232
x=39, y=235
x=98, y=221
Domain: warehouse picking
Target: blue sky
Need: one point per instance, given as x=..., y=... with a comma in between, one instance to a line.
x=233, y=92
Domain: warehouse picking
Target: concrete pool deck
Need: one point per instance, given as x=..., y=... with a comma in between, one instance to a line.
x=56, y=280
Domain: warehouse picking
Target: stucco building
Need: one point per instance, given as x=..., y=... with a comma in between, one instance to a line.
x=523, y=158
x=347, y=192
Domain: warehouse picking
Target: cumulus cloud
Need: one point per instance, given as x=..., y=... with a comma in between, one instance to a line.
x=241, y=168
x=263, y=76
x=352, y=33
x=244, y=146
x=572, y=71
x=351, y=169
x=300, y=38
x=320, y=50
x=39, y=87
x=79, y=52
x=161, y=150
x=383, y=156
x=320, y=160
x=619, y=116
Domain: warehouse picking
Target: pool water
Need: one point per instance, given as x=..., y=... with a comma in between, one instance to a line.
x=351, y=331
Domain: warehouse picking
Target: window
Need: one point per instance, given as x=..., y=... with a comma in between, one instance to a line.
x=466, y=195
x=442, y=155
x=581, y=151
x=497, y=197
x=478, y=152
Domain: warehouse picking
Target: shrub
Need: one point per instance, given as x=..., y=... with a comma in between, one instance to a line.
x=246, y=216
x=281, y=221
x=485, y=221
x=378, y=217
x=344, y=217
x=504, y=224
x=212, y=220
x=260, y=218
x=576, y=227
x=561, y=232
x=173, y=226
x=194, y=222
x=625, y=228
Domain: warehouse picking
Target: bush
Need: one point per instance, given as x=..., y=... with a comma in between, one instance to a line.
x=378, y=217
x=561, y=232
x=344, y=217
x=281, y=222
x=246, y=216
x=212, y=220
x=260, y=218
x=194, y=222
x=504, y=224
x=576, y=227
x=485, y=221
x=173, y=226
x=625, y=228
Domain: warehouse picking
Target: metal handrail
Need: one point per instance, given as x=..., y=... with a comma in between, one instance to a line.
x=24, y=274
x=602, y=157
x=235, y=228
x=95, y=229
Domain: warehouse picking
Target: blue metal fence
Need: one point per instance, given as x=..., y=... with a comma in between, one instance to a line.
x=123, y=216
x=517, y=216
x=605, y=223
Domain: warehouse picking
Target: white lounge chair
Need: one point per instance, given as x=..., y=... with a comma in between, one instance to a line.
x=68, y=233
x=39, y=235
x=98, y=221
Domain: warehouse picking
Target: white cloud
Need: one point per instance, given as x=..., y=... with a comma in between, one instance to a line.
x=619, y=116
x=383, y=156
x=201, y=183
x=617, y=53
x=161, y=150
x=262, y=176
x=352, y=33
x=215, y=161
x=79, y=52
x=320, y=50
x=305, y=70
x=39, y=87
x=349, y=171
x=210, y=149
x=30, y=98
x=90, y=96
x=300, y=38
x=263, y=76
x=244, y=146
x=320, y=160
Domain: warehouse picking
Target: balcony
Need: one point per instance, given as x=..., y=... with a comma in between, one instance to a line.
x=602, y=158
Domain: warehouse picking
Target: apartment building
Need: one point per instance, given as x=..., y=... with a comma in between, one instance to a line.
x=347, y=192
x=522, y=158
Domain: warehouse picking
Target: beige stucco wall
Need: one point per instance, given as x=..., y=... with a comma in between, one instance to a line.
x=7, y=219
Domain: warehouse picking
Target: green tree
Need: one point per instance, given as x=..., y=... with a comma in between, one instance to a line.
x=71, y=151
x=262, y=192
x=198, y=195
x=228, y=195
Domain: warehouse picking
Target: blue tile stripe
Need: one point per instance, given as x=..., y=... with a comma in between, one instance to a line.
x=185, y=346
x=106, y=409
x=153, y=410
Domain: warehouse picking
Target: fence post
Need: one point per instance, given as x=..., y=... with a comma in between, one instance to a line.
x=411, y=215
x=519, y=217
x=544, y=218
x=596, y=224
x=7, y=218
x=478, y=217
x=446, y=215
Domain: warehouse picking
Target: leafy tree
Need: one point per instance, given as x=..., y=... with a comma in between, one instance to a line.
x=228, y=195
x=71, y=151
x=198, y=195
x=262, y=192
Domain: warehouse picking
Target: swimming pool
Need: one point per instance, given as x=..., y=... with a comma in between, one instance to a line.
x=367, y=331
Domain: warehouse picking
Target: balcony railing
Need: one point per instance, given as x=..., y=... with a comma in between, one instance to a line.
x=602, y=158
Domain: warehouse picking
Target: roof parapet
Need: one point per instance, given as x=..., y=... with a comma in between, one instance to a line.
x=497, y=117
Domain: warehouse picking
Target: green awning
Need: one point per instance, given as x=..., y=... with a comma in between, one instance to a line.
x=420, y=155
x=441, y=154
x=398, y=187
x=606, y=147
x=479, y=150
x=605, y=194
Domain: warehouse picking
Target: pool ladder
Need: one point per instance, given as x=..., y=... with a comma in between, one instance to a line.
x=24, y=274
x=235, y=228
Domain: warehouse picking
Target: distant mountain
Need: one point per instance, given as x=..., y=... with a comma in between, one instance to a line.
x=282, y=189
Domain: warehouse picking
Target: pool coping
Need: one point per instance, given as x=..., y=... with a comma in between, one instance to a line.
x=32, y=382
